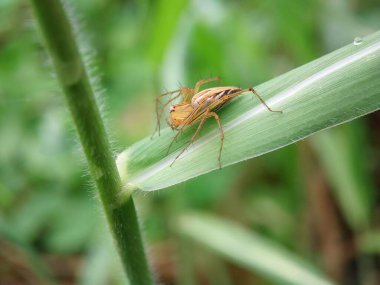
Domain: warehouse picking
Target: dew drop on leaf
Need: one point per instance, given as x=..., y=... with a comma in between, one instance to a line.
x=358, y=41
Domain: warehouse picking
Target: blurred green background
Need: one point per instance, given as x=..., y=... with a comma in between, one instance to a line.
x=318, y=198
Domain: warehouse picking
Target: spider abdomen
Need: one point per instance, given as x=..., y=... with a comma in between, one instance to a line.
x=210, y=96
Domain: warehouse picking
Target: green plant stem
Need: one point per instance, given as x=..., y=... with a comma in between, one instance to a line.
x=75, y=83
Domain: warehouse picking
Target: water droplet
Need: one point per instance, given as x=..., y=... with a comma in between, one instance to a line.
x=358, y=41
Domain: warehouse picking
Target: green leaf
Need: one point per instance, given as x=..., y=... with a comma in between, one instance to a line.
x=249, y=250
x=333, y=89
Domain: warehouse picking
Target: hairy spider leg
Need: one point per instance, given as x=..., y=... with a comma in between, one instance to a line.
x=260, y=99
x=229, y=97
x=215, y=115
x=159, y=112
x=204, y=117
x=204, y=81
x=191, y=118
x=186, y=93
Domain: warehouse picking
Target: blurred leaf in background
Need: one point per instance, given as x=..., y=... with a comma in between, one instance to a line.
x=317, y=199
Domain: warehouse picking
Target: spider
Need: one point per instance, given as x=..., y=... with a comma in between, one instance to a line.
x=197, y=106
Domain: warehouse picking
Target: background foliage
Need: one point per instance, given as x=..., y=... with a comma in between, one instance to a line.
x=317, y=198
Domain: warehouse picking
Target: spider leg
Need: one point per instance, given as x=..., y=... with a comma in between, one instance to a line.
x=260, y=99
x=221, y=136
x=236, y=94
x=174, y=139
x=194, y=116
x=160, y=110
x=194, y=136
x=184, y=92
x=191, y=118
x=204, y=81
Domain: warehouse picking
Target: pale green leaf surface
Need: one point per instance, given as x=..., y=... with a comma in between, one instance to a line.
x=249, y=250
x=326, y=92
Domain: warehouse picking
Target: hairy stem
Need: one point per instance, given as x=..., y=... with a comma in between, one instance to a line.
x=80, y=98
